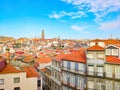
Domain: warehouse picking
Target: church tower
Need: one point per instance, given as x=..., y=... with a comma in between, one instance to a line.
x=43, y=36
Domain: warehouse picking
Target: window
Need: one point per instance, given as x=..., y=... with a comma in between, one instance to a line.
x=39, y=83
x=81, y=67
x=65, y=76
x=100, y=70
x=100, y=86
x=68, y=65
x=59, y=76
x=16, y=80
x=90, y=69
x=76, y=80
x=117, y=86
x=91, y=85
x=90, y=55
x=81, y=83
x=76, y=66
x=64, y=64
x=1, y=81
x=114, y=51
x=72, y=79
x=108, y=52
x=100, y=55
x=17, y=88
x=117, y=69
x=109, y=69
x=109, y=86
x=55, y=74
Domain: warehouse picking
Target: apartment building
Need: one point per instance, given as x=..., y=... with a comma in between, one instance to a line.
x=95, y=67
x=112, y=68
x=48, y=81
x=56, y=72
x=74, y=71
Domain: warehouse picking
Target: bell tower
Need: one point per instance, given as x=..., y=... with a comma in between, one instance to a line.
x=43, y=35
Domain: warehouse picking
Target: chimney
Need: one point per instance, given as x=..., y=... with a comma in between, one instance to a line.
x=8, y=56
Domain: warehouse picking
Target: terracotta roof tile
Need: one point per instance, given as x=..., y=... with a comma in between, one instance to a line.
x=31, y=72
x=112, y=59
x=112, y=41
x=76, y=57
x=97, y=40
x=44, y=60
x=10, y=69
x=95, y=48
x=28, y=58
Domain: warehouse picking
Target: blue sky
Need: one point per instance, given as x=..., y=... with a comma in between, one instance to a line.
x=71, y=19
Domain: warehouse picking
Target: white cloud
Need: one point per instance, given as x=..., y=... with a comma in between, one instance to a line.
x=100, y=8
x=113, y=25
x=79, y=28
x=72, y=15
x=56, y=16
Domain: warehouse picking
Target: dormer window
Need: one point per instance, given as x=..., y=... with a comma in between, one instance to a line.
x=108, y=52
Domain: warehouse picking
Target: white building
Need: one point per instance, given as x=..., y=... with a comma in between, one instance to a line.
x=14, y=79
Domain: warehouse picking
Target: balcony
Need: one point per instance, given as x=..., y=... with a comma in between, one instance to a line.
x=76, y=71
x=109, y=75
x=117, y=76
x=68, y=84
x=97, y=74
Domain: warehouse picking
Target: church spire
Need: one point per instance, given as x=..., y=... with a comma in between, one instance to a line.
x=43, y=36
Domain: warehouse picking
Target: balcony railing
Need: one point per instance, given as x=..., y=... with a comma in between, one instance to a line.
x=117, y=76
x=73, y=70
x=92, y=73
x=109, y=75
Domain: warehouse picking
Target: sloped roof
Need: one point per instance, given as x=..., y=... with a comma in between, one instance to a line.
x=44, y=60
x=112, y=59
x=76, y=57
x=96, y=48
x=31, y=72
x=112, y=41
x=9, y=70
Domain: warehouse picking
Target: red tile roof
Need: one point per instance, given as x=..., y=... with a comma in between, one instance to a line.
x=9, y=70
x=44, y=60
x=31, y=72
x=112, y=41
x=95, y=48
x=97, y=40
x=28, y=58
x=76, y=57
x=59, y=57
x=112, y=59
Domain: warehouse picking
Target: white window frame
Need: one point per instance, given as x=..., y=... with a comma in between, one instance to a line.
x=114, y=51
x=90, y=84
x=90, y=55
x=1, y=81
x=108, y=51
